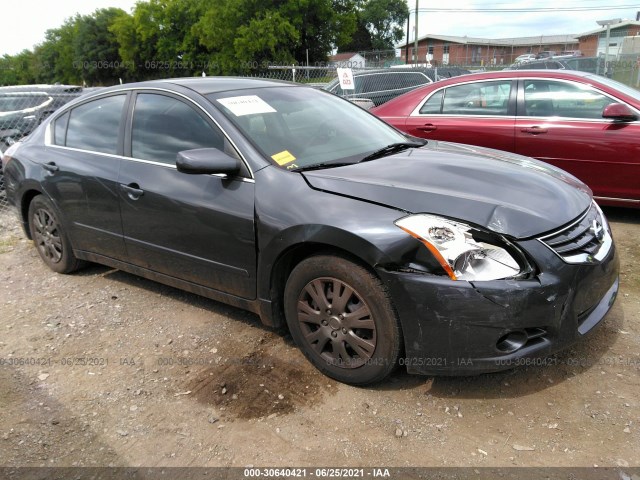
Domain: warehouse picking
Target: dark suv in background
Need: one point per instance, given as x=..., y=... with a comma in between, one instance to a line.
x=382, y=85
x=23, y=108
x=582, y=64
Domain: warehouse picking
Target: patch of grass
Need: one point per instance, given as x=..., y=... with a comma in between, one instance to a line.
x=7, y=244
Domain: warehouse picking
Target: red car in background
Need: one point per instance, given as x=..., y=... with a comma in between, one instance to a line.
x=583, y=123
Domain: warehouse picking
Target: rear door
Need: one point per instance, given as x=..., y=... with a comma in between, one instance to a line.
x=81, y=173
x=476, y=113
x=560, y=122
x=198, y=228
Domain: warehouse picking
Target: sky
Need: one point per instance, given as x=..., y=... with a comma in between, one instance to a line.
x=35, y=18
x=508, y=24
x=26, y=21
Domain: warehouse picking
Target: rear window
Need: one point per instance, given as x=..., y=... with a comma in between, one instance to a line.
x=95, y=125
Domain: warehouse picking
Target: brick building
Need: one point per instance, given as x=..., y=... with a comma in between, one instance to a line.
x=453, y=50
x=593, y=43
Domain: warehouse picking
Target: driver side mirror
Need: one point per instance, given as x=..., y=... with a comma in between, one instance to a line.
x=206, y=161
x=619, y=112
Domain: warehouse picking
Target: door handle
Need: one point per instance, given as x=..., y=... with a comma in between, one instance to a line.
x=133, y=190
x=428, y=127
x=534, y=130
x=50, y=167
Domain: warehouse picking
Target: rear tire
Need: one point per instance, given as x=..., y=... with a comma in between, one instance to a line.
x=340, y=316
x=49, y=237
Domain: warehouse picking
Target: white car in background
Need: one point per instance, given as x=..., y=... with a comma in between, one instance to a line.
x=525, y=58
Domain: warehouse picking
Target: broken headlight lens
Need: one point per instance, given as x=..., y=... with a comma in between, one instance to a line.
x=464, y=252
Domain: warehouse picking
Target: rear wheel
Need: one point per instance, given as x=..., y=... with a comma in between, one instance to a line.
x=340, y=316
x=50, y=238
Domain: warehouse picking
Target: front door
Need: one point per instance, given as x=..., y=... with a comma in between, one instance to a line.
x=561, y=122
x=199, y=228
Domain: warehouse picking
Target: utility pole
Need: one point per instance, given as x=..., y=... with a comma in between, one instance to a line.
x=415, y=48
x=406, y=47
x=606, y=23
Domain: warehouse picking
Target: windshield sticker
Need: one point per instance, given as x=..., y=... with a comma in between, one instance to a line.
x=246, y=105
x=283, y=158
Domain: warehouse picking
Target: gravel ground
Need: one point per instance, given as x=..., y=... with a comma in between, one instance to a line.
x=102, y=368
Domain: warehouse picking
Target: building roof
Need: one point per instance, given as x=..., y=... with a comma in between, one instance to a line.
x=343, y=56
x=623, y=24
x=524, y=41
x=505, y=42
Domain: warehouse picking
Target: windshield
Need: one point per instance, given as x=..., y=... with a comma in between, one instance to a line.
x=632, y=92
x=297, y=127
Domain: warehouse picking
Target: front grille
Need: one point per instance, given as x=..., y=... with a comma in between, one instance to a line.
x=586, y=240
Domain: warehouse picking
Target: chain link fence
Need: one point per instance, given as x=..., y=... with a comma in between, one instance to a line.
x=23, y=108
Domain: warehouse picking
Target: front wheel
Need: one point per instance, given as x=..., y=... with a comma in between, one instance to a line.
x=50, y=238
x=340, y=316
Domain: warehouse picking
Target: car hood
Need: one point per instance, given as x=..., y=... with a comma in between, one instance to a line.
x=505, y=193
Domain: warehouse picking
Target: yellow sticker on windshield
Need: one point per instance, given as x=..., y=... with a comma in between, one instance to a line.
x=283, y=158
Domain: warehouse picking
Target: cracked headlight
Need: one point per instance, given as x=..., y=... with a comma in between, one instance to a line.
x=464, y=252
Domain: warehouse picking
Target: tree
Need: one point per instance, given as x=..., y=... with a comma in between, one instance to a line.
x=157, y=41
x=17, y=69
x=53, y=59
x=322, y=26
x=360, y=40
x=95, y=47
x=164, y=38
x=384, y=20
x=245, y=35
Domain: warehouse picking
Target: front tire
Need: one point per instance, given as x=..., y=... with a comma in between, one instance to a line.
x=49, y=237
x=340, y=316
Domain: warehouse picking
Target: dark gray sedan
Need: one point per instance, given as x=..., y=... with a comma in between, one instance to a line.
x=372, y=247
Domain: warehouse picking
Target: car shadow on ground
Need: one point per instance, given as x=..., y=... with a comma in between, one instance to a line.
x=589, y=353
x=174, y=294
x=622, y=215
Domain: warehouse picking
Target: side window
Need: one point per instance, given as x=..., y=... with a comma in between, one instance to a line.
x=433, y=105
x=60, y=129
x=482, y=98
x=95, y=125
x=412, y=79
x=164, y=126
x=368, y=83
x=545, y=98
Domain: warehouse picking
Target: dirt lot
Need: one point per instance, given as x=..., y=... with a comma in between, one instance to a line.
x=102, y=368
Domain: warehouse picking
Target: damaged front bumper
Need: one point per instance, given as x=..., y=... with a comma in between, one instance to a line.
x=459, y=328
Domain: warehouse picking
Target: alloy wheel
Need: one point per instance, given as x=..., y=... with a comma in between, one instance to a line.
x=336, y=323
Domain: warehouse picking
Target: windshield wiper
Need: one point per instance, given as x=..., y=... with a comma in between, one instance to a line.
x=321, y=166
x=391, y=149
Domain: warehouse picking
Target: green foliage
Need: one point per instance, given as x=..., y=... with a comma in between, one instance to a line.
x=53, y=59
x=360, y=40
x=245, y=35
x=96, y=48
x=17, y=69
x=167, y=38
x=384, y=20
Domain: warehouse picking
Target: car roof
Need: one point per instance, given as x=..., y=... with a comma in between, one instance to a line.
x=205, y=85
x=563, y=74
